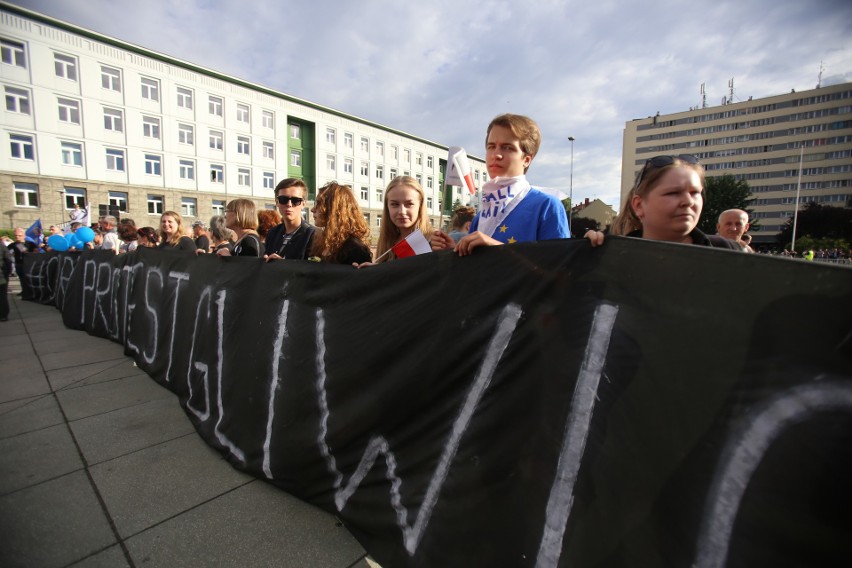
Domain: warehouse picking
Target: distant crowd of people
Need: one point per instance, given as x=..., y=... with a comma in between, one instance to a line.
x=664, y=204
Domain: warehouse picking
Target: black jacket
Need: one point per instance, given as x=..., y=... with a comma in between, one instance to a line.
x=298, y=248
x=700, y=239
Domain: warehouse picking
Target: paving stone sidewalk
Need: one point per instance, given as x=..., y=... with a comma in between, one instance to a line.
x=99, y=466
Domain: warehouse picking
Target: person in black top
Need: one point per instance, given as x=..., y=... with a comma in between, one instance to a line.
x=202, y=242
x=5, y=273
x=665, y=205
x=221, y=237
x=291, y=239
x=18, y=248
x=241, y=217
x=173, y=233
x=344, y=238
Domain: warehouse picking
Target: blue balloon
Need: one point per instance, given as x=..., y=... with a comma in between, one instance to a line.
x=69, y=238
x=85, y=234
x=57, y=242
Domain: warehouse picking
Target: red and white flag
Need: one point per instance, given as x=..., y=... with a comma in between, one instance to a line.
x=413, y=244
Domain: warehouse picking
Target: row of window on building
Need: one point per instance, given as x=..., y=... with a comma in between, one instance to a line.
x=66, y=67
x=69, y=111
x=27, y=195
x=838, y=125
x=22, y=147
x=805, y=185
x=730, y=113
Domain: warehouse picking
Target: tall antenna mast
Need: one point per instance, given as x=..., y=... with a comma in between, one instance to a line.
x=821, y=69
x=731, y=91
x=703, y=97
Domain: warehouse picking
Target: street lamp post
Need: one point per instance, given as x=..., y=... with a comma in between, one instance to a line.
x=571, y=185
x=798, y=190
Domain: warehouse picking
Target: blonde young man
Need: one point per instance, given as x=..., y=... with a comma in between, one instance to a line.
x=512, y=211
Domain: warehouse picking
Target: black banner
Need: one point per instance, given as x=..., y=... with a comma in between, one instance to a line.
x=541, y=404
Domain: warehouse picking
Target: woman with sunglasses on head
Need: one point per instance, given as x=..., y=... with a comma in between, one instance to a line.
x=293, y=237
x=241, y=218
x=344, y=238
x=665, y=205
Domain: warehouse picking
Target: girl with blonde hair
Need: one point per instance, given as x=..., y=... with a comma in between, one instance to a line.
x=173, y=234
x=404, y=211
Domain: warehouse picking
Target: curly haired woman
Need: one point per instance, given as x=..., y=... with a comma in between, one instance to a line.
x=345, y=236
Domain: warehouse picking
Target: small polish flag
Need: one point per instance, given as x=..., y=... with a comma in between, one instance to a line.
x=413, y=244
x=463, y=169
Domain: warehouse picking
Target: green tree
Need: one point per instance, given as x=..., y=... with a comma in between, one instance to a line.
x=819, y=222
x=579, y=226
x=720, y=194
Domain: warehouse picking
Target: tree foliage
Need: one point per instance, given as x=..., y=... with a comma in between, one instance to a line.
x=720, y=194
x=819, y=222
x=579, y=226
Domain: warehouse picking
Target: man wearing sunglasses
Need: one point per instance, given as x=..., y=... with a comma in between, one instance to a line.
x=292, y=238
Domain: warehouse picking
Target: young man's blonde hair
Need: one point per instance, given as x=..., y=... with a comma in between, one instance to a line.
x=523, y=128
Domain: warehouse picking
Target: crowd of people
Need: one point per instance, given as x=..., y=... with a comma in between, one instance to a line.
x=664, y=204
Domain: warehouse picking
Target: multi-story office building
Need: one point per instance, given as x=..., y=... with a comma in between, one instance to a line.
x=762, y=142
x=91, y=119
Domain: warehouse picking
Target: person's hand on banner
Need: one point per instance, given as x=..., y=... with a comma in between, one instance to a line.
x=595, y=237
x=477, y=239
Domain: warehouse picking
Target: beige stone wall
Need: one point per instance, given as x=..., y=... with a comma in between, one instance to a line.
x=52, y=210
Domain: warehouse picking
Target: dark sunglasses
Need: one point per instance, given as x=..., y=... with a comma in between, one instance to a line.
x=663, y=161
x=284, y=199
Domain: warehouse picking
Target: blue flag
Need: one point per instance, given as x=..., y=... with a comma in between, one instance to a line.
x=35, y=232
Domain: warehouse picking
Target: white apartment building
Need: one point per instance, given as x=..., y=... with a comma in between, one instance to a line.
x=91, y=119
x=762, y=142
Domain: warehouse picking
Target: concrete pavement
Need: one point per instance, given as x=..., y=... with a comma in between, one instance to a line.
x=99, y=466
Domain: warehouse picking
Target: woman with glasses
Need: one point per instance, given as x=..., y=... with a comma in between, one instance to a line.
x=293, y=237
x=344, y=238
x=173, y=235
x=665, y=205
x=241, y=218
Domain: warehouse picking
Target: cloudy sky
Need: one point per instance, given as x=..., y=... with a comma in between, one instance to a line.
x=442, y=69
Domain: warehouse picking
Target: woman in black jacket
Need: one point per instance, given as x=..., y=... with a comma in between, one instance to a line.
x=241, y=218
